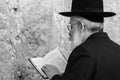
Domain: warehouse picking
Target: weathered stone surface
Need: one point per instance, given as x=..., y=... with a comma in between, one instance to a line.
x=30, y=28
x=112, y=25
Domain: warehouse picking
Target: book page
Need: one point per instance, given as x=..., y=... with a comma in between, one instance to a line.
x=38, y=63
x=54, y=57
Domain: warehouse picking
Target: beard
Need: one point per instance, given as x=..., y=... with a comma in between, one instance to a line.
x=76, y=40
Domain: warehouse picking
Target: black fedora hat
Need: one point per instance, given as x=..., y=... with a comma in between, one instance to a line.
x=89, y=9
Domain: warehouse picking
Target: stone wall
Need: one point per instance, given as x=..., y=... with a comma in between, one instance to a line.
x=112, y=25
x=30, y=28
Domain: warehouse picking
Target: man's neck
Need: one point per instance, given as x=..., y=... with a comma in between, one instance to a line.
x=87, y=34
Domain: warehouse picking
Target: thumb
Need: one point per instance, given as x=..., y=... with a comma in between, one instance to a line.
x=44, y=68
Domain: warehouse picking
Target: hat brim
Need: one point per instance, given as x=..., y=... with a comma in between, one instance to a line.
x=88, y=14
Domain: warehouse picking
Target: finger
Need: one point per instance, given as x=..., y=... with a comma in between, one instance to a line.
x=44, y=68
x=44, y=71
x=45, y=74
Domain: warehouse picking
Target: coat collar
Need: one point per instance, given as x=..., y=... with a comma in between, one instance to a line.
x=75, y=53
x=98, y=35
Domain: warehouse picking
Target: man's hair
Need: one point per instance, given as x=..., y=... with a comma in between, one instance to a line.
x=92, y=26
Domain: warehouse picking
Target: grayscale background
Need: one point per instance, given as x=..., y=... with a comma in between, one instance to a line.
x=32, y=28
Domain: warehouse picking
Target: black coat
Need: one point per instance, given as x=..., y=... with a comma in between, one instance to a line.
x=98, y=58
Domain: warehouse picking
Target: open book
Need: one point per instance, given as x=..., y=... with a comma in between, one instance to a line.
x=54, y=57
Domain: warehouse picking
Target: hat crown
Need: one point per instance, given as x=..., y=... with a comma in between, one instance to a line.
x=89, y=9
x=87, y=5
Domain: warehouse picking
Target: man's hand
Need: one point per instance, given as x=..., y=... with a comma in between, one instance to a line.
x=50, y=70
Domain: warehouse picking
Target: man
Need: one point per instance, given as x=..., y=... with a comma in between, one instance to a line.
x=95, y=56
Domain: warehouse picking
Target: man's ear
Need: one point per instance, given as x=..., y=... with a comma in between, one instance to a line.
x=80, y=24
x=83, y=26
